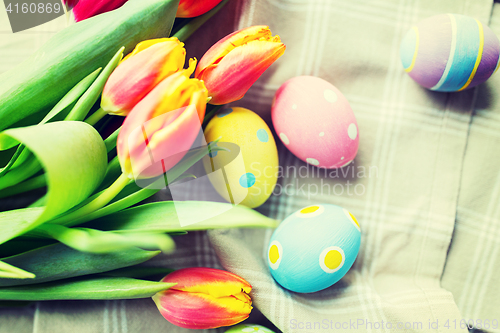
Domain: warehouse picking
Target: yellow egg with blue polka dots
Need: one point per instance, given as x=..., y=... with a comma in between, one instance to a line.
x=246, y=172
x=314, y=248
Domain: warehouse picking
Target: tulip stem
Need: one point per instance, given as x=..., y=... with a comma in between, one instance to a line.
x=102, y=200
x=95, y=117
x=210, y=114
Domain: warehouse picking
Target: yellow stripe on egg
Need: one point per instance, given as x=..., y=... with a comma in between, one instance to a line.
x=414, y=59
x=479, y=56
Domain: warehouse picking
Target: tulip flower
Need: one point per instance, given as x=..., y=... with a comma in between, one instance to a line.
x=161, y=128
x=234, y=63
x=139, y=72
x=88, y=8
x=192, y=8
x=204, y=298
x=70, y=3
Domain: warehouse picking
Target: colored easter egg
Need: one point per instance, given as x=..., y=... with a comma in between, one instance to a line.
x=247, y=172
x=450, y=52
x=314, y=248
x=249, y=328
x=315, y=122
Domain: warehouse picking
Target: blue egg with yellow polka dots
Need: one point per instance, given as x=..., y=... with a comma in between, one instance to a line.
x=313, y=248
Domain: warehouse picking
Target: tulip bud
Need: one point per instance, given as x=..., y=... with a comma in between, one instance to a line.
x=70, y=3
x=192, y=8
x=162, y=127
x=204, y=298
x=235, y=62
x=140, y=71
x=88, y=8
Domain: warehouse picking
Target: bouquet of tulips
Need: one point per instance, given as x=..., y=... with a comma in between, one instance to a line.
x=85, y=236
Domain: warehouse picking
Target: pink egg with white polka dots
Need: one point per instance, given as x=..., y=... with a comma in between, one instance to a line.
x=315, y=122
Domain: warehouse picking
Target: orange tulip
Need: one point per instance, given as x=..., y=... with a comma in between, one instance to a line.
x=140, y=71
x=235, y=62
x=192, y=8
x=162, y=127
x=204, y=298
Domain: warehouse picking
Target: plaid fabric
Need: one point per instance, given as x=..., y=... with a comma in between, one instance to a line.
x=426, y=175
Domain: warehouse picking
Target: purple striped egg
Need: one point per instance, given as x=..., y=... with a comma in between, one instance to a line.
x=450, y=52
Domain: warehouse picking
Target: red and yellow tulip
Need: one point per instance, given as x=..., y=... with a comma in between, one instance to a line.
x=235, y=62
x=140, y=71
x=204, y=298
x=162, y=127
x=192, y=8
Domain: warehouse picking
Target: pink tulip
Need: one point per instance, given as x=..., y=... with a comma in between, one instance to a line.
x=70, y=3
x=88, y=8
x=192, y=8
x=235, y=62
x=204, y=298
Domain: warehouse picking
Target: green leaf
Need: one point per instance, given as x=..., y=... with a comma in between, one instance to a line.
x=163, y=217
x=28, y=169
x=11, y=272
x=23, y=154
x=28, y=185
x=96, y=241
x=66, y=101
x=142, y=193
x=18, y=245
x=9, y=165
x=75, y=93
x=74, y=157
x=85, y=103
x=140, y=272
x=95, y=288
x=56, y=262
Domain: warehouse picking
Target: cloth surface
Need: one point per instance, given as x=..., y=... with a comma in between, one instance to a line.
x=427, y=166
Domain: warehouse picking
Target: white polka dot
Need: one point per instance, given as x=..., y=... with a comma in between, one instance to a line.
x=330, y=95
x=322, y=134
x=307, y=215
x=349, y=216
x=284, y=138
x=276, y=264
x=352, y=131
x=294, y=106
x=342, y=158
x=312, y=161
x=322, y=258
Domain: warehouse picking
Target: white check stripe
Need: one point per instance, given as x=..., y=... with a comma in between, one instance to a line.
x=313, y=47
x=308, y=36
x=123, y=316
x=114, y=316
x=105, y=315
x=468, y=292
